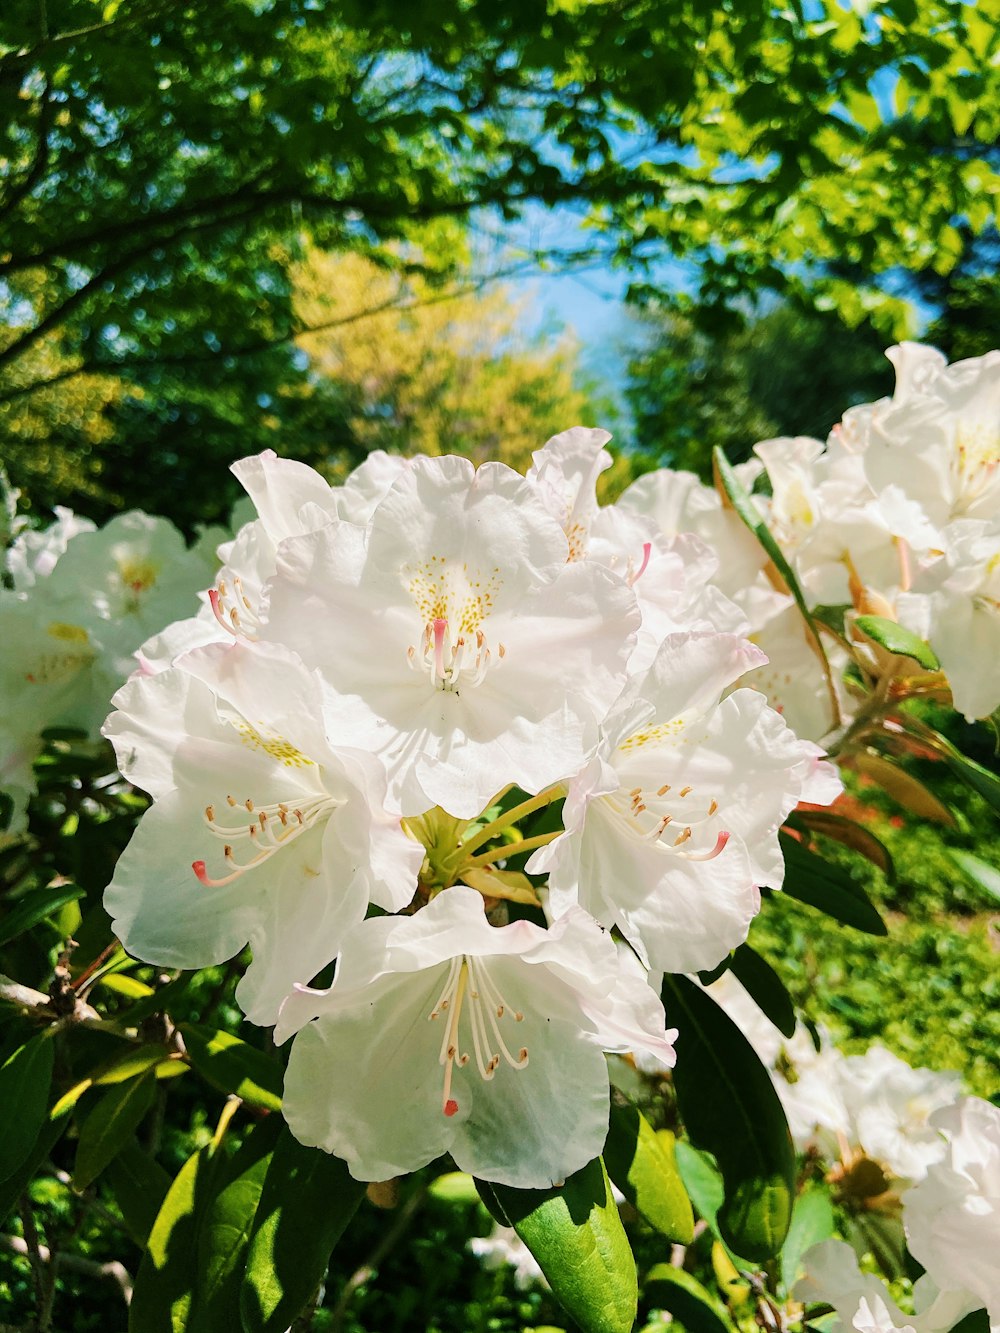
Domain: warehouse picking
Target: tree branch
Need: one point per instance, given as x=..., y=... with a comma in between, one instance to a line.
x=114, y=1270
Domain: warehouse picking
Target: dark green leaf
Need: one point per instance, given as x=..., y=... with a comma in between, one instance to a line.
x=764, y=987
x=850, y=833
x=110, y=1126
x=224, y=1236
x=139, y=1185
x=577, y=1237
x=730, y=1109
x=980, y=779
x=642, y=1165
x=895, y=639
x=232, y=1065
x=307, y=1200
x=828, y=887
x=25, y=1080
x=14, y=1186
x=35, y=907
x=161, y=1302
x=683, y=1296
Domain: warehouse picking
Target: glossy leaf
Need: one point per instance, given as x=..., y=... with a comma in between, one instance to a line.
x=682, y=1295
x=224, y=1235
x=730, y=1109
x=307, y=1200
x=110, y=1125
x=848, y=832
x=811, y=879
x=895, y=639
x=903, y=787
x=161, y=1302
x=231, y=1065
x=577, y=1238
x=641, y=1163
x=139, y=1185
x=980, y=779
x=25, y=1079
x=133, y=1062
x=764, y=987
x=985, y=875
x=812, y=1221
x=35, y=907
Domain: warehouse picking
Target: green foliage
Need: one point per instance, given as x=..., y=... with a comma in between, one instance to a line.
x=645, y=1170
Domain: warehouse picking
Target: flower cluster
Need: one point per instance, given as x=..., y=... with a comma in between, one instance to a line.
x=75, y=604
x=392, y=687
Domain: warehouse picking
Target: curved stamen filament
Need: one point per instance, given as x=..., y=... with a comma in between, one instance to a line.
x=270, y=828
x=469, y=980
x=648, y=814
x=448, y=662
x=235, y=613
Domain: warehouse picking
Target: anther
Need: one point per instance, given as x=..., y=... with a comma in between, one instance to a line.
x=662, y=791
x=210, y=813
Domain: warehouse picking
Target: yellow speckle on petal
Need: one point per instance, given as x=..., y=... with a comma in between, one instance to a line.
x=448, y=591
x=276, y=746
x=67, y=633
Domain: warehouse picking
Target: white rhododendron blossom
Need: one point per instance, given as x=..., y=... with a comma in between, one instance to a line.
x=671, y=828
x=952, y=1217
x=863, y=1302
x=260, y=831
x=504, y=1247
x=457, y=642
x=466, y=1038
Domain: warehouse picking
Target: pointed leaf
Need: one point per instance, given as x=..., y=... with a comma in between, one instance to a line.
x=139, y=1185
x=161, y=1302
x=231, y=1065
x=110, y=1126
x=730, y=1109
x=133, y=1062
x=35, y=907
x=903, y=787
x=980, y=779
x=307, y=1200
x=895, y=639
x=578, y=1240
x=14, y=1186
x=759, y=979
x=811, y=879
x=641, y=1163
x=224, y=1236
x=849, y=833
x=25, y=1079
x=682, y=1295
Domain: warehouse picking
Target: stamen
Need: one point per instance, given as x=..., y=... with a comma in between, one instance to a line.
x=264, y=837
x=647, y=548
x=720, y=843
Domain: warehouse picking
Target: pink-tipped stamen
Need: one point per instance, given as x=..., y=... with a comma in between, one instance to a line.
x=440, y=630
x=720, y=843
x=647, y=550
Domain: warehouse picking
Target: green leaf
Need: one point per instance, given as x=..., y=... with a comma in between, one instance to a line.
x=895, y=639
x=733, y=490
x=133, y=1062
x=35, y=907
x=986, y=876
x=307, y=1200
x=764, y=987
x=980, y=779
x=224, y=1236
x=577, y=1237
x=642, y=1165
x=139, y=1185
x=828, y=887
x=110, y=1125
x=812, y=1221
x=903, y=787
x=730, y=1109
x=680, y=1293
x=14, y=1186
x=849, y=833
x=161, y=1302
x=231, y=1065
x=25, y=1080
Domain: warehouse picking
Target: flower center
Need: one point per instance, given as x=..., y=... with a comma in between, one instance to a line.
x=449, y=659
x=63, y=662
x=668, y=815
x=468, y=979
x=978, y=459
x=234, y=610
x=269, y=828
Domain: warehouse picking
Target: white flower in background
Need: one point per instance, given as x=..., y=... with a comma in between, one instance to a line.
x=442, y=1033
x=260, y=831
x=952, y=1217
x=34, y=551
x=678, y=502
x=672, y=827
x=458, y=643
x=938, y=437
x=955, y=605
x=863, y=1302
x=565, y=472
x=890, y=1105
x=792, y=677
x=503, y=1246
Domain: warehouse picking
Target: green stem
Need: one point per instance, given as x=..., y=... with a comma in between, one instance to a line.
x=513, y=849
x=512, y=816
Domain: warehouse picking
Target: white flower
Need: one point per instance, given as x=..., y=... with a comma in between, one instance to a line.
x=34, y=552
x=565, y=472
x=441, y=1033
x=672, y=827
x=260, y=830
x=458, y=643
x=504, y=1246
x=792, y=677
x=952, y=1217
